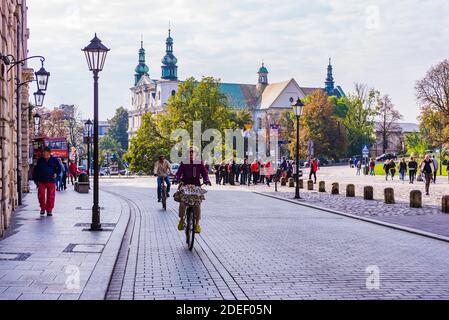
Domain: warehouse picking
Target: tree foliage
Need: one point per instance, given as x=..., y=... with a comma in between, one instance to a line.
x=388, y=118
x=319, y=124
x=357, y=114
x=118, y=129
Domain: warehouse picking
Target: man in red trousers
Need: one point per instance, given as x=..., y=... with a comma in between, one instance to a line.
x=45, y=173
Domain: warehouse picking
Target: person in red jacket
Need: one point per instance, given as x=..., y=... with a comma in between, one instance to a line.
x=255, y=171
x=73, y=171
x=313, y=168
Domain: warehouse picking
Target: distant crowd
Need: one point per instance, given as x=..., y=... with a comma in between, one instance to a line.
x=426, y=170
x=257, y=172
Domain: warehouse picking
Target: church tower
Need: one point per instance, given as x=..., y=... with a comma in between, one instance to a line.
x=169, y=67
x=329, y=83
x=263, y=79
x=142, y=68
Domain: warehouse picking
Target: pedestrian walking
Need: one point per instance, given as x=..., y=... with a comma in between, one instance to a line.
x=392, y=167
x=59, y=176
x=255, y=171
x=65, y=174
x=435, y=164
x=351, y=163
x=268, y=172
x=73, y=171
x=359, y=167
x=402, y=169
x=372, y=167
x=45, y=173
x=217, y=173
x=412, y=168
x=313, y=168
x=231, y=168
x=262, y=172
x=244, y=170
x=427, y=167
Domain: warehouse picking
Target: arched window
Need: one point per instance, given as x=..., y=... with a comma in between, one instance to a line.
x=173, y=92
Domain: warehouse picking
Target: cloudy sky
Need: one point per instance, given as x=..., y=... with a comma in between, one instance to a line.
x=385, y=44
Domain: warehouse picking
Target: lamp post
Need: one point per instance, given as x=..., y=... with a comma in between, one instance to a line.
x=88, y=128
x=95, y=54
x=298, y=107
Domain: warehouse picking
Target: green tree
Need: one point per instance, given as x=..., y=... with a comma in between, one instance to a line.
x=319, y=124
x=108, y=145
x=357, y=113
x=416, y=144
x=118, y=129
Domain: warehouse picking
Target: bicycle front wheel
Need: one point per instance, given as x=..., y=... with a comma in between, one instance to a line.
x=190, y=228
x=164, y=197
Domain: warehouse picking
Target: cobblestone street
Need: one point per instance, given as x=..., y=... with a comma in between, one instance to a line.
x=254, y=247
x=251, y=247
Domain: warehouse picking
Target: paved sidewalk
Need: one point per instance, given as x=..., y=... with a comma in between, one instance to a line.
x=55, y=257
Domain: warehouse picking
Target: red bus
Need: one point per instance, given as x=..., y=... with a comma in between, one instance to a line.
x=58, y=148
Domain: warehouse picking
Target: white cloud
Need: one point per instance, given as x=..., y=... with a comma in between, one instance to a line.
x=228, y=40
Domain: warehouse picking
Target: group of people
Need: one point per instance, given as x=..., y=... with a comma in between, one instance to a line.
x=257, y=172
x=427, y=168
x=243, y=173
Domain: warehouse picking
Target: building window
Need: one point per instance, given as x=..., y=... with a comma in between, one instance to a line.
x=173, y=92
x=159, y=96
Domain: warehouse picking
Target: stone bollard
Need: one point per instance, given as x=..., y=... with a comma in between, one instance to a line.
x=368, y=193
x=335, y=188
x=350, y=190
x=322, y=186
x=283, y=182
x=415, y=199
x=389, y=195
x=291, y=182
x=445, y=204
x=310, y=185
x=301, y=183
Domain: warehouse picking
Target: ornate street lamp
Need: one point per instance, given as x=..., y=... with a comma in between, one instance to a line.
x=95, y=56
x=42, y=77
x=39, y=98
x=298, y=108
x=37, y=123
x=88, y=129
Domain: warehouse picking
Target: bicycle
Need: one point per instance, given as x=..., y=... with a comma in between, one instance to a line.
x=192, y=195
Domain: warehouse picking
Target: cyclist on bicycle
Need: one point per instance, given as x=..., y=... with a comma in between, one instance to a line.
x=191, y=173
x=162, y=169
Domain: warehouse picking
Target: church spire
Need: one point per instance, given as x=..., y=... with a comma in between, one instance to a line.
x=142, y=68
x=169, y=67
x=263, y=78
x=329, y=83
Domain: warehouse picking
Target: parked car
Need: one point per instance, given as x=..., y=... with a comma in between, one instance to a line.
x=386, y=156
x=323, y=162
x=113, y=170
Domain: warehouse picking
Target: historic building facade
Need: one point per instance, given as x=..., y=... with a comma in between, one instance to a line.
x=266, y=101
x=151, y=95
x=13, y=40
